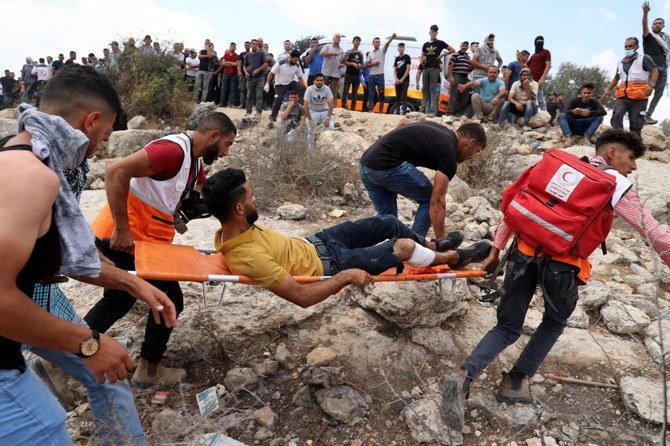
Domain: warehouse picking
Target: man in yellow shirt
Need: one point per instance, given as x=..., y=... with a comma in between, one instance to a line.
x=350, y=252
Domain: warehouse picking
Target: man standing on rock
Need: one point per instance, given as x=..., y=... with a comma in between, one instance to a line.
x=144, y=192
x=540, y=64
x=375, y=61
x=50, y=236
x=389, y=168
x=332, y=56
x=637, y=76
x=656, y=45
x=460, y=66
x=287, y=76
x=431, y=55
x=255, y=63
x=349, y=252
x=558, y=276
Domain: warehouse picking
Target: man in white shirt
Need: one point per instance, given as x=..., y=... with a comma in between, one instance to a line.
x=287, y=76
x=192, y=64
x=375, y=63
x=319, y=104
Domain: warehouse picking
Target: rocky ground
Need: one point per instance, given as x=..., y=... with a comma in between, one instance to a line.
x=361, y=368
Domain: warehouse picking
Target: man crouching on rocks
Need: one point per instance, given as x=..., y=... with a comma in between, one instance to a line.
x=558, y=276
x=350, y=252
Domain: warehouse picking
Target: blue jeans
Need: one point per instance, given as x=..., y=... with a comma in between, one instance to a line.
x=30, y=413
x=228, y=90
x=375, y=80
x=366, y=244
x=113, y=407
x=585, y=126
x=509, y=112
x=384, y=186
x=560, y=283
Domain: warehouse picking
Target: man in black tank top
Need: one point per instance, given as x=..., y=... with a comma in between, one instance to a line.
x=30, y=246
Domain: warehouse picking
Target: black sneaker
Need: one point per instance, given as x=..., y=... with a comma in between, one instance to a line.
x=475, y=253
x=650, y=121
x=449, y=242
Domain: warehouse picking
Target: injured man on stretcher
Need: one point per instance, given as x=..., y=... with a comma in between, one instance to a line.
x=350, y=252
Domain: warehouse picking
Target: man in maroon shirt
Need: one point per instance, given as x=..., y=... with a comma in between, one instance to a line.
x=230, y=65
x=540, y=64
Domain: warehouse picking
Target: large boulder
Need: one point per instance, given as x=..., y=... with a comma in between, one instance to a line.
x=654, y=138
x=540, y=119
x=9, y=113
x=127, y=142
x=201, y=110
x=644, y=397
x=620, y=318
x=138, y=122
x=8, y=127
x=349, y=146
x=414, y=304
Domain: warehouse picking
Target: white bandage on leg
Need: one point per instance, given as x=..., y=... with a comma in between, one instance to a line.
x=421, y=256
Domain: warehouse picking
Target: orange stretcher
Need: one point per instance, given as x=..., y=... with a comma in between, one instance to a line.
x=162, y=261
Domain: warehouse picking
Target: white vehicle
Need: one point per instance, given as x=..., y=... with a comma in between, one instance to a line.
x=413, y=49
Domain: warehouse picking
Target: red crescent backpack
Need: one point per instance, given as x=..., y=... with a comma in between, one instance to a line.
x=561, y=205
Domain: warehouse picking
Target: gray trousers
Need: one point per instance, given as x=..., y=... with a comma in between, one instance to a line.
x=255, y=93
x=658, y=89
x=201, y=83
x=634, y=108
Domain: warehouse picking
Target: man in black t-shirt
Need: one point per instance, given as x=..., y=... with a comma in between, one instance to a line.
x=431, y=53
x=204, y=73
x=401, y=68
x=583, y=116
x=389, y=168
x=656, y=45
x=353, y=60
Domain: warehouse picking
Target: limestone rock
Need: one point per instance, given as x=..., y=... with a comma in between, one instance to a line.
x=545, y=441
x=644, y=397
x=265, y=367
x=323, y=376
x=654, y=138
x=96, y=184
x=263, y=434
x=342, y=403
x=138, y=122
x=266, y=417
x=594, y=295
x=9, y=113
x=459, y=189
x=290, y=211
x=522, y=415
x=540, y=119
x=320, y=356
x=652, y=341
x=201, y=110
x=348, y=145
x=524, y=149
x=425, y=423
x=434, y=339
x=127, y=142
x=8, y=127
x=414, y=304
x=620, y=318
x=284, y=356
x=240, y=377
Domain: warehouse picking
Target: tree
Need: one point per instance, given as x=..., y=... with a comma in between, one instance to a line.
x=302, y=43
x=570, y=77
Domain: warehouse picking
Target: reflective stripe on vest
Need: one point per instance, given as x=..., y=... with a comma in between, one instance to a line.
x=636, y=72
x=166, y=195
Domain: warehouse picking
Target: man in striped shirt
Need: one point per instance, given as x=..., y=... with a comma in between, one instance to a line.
x=460, y=66
x=560, y=277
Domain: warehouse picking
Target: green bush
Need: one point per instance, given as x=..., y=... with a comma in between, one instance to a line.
x=152, y=86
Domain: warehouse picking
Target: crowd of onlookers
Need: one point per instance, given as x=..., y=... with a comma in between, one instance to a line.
x=481, y=86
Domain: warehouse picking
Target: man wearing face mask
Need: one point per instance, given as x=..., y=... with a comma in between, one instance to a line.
x=540, y=64
x=144, y=192
x=637, y=76
x=656, y=45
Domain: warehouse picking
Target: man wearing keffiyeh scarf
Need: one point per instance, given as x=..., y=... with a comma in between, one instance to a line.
x=42, y=231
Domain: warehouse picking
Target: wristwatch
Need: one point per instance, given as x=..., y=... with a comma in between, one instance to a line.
x=90, y=346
